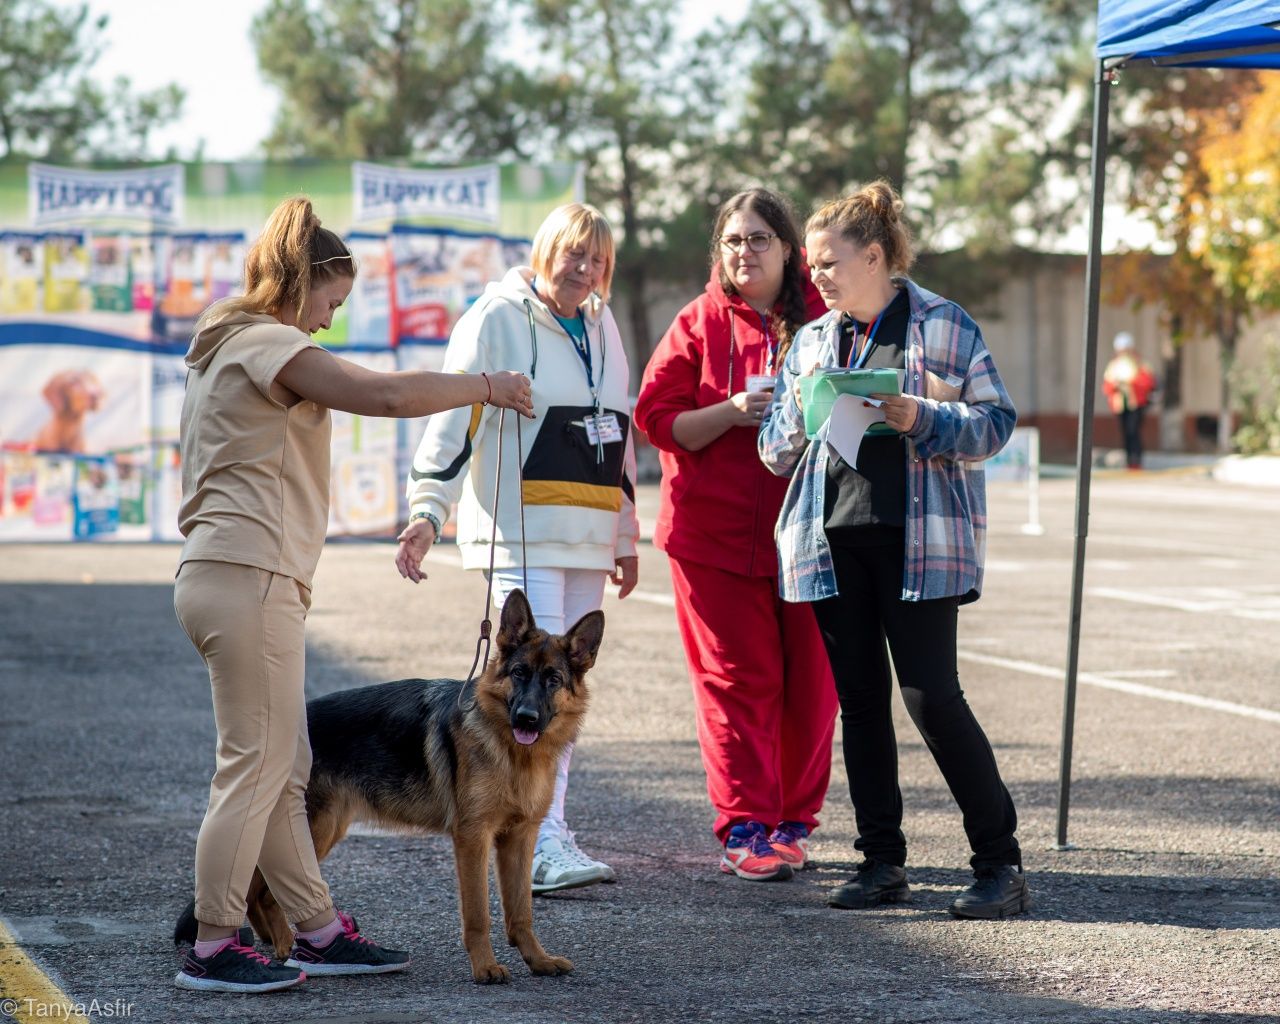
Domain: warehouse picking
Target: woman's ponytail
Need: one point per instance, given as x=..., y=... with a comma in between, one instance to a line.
x=292, y=255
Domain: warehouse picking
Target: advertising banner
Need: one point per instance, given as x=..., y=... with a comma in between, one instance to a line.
x=405, y=193
x=62, y=195
x=104, y=271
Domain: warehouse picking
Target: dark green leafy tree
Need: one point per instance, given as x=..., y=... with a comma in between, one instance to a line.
x=420, y=78
x=1174, y=131
x=50, y=107
x=963, y=106
x=626, y=112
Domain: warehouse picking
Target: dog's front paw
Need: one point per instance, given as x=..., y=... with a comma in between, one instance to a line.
x=550, y=965
x=491, y=973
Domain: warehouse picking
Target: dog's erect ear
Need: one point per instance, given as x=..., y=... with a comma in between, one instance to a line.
x=516, y=621
x=57, y=391
x=584, y=640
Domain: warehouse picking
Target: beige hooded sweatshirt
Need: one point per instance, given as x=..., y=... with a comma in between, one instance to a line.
x=255, y=473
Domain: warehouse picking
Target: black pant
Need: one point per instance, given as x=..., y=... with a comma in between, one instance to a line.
x=922, y=639
x=1131, y=428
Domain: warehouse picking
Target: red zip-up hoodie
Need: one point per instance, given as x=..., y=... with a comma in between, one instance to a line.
x=719, y=505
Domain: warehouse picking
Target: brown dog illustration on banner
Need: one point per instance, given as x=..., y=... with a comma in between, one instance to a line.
x=72, y=395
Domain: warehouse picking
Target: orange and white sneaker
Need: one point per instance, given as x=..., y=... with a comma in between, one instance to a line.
x=748, y=855
x=790, y=841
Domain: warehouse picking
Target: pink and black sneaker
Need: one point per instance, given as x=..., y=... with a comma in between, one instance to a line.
x=349, y=953
x=236, y=968
x=790, y=841
x=748, y=855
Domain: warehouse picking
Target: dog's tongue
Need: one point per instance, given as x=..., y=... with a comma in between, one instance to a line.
x=525, y=736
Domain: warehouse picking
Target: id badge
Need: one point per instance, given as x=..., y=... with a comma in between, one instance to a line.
x=760, y=382
x=602, y=429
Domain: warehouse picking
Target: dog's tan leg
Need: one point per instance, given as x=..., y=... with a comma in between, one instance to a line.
x=471, y=858
x=329, y=827
x=267, y=918
x=515, y=859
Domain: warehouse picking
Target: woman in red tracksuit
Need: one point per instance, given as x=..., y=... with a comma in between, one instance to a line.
x=762, y=685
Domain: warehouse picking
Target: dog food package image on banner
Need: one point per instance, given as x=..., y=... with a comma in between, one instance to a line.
x=21, y=273
x=96, y=499
x=66, y=274
x=109, y=278
x=369, y=304
x=364, y=483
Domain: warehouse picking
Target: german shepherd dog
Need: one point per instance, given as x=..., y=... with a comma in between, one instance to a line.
x=477, y=762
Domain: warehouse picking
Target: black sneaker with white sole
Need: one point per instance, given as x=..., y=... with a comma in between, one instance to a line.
x=349, y=953
x=236, y=968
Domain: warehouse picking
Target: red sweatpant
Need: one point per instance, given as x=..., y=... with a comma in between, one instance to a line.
x=765, y=698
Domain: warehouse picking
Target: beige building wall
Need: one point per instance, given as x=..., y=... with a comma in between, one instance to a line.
x=1035, y=329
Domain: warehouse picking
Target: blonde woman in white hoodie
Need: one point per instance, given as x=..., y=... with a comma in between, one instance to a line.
x=551, y=321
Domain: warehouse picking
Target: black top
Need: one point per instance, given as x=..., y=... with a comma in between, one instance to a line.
x=867, y=505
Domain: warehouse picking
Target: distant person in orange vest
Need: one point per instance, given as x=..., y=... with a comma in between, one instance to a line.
x=1128, y=383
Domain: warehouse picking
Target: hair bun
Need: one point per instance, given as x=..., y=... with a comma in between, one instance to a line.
x=883, y=200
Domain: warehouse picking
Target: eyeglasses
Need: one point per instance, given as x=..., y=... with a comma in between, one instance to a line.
x=757, y=241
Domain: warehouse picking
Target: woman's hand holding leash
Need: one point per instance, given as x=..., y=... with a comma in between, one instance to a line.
x=510, y=390
x=626, y=570
x=415, y=541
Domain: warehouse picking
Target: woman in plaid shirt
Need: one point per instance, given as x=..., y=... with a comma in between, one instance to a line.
x=890, y=550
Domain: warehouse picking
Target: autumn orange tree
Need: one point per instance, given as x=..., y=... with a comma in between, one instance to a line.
x=1235, y=228
x=1193, y=162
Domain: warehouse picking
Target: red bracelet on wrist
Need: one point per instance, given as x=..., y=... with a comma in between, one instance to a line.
x=489, y=385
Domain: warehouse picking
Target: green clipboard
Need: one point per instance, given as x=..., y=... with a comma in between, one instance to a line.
x=818, y=392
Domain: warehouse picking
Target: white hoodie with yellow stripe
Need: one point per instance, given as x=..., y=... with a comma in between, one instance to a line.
x=579, y=492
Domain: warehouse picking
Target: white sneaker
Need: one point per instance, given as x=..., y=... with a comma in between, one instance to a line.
x=559, y=864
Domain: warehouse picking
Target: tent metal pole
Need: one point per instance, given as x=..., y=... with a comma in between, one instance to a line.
x=1084, y=442
x=1188, y=59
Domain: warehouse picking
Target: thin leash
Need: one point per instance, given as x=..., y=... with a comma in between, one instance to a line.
x=486, y=624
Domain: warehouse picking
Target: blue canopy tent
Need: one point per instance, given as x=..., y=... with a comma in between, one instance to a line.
x=1164, y=33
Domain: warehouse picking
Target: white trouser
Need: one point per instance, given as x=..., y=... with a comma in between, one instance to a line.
x=559, y=598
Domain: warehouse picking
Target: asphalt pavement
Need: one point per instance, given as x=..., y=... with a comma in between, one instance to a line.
x=1167, y=910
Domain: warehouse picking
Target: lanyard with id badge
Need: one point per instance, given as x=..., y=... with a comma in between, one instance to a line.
x=602, y=427
x=755, y=381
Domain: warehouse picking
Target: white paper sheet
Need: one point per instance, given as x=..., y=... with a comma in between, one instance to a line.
x=850, y=418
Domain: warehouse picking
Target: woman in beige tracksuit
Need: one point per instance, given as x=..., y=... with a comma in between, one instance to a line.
x=255, y=475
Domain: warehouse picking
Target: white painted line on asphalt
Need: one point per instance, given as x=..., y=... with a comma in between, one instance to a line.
x=1139, y=673
x=1110, y=564
x=1179, y=545
x=1042, y=565
x=1217, y=562
x=1136, y=689
x=1236, y=603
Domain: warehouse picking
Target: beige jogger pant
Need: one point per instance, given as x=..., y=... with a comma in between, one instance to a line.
x=247, y=624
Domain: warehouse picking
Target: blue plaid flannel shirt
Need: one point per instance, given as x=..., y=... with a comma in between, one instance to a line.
x=965, y=416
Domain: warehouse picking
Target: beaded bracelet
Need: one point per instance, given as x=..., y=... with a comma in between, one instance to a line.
x=489, y=385
x=429, y=517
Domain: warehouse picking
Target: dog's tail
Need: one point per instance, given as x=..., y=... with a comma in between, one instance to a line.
x=185, y=930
